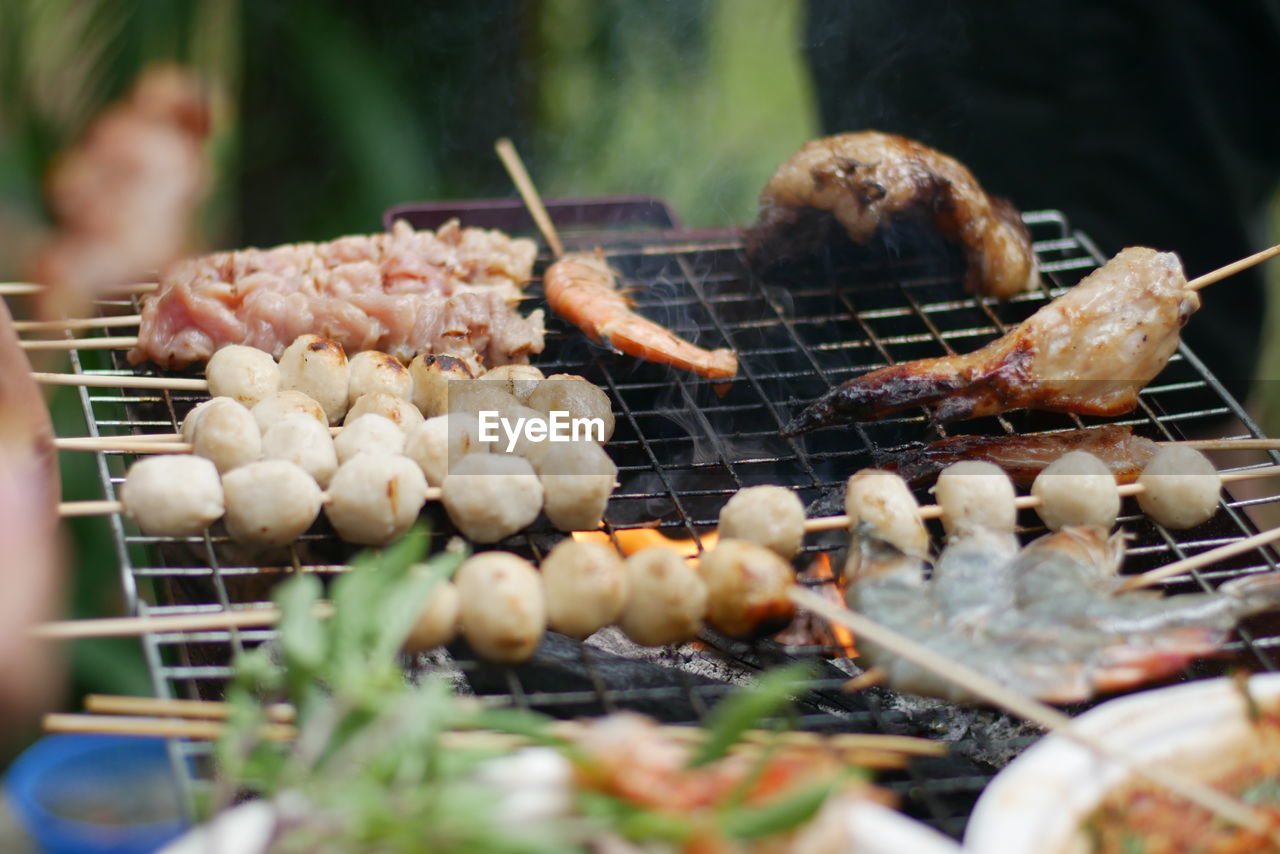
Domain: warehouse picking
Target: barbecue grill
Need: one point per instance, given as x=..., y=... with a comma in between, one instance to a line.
x=683, y=446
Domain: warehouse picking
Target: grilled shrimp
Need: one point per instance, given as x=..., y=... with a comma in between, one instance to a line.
x=582, y=289
x=1048, y=621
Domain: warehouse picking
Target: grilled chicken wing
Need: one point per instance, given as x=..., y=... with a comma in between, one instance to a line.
x=869, y=179
x=1089, y=351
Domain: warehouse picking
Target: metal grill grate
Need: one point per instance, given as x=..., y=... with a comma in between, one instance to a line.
x=684, y=445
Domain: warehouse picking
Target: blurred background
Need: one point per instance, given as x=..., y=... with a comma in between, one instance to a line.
x=327, y=112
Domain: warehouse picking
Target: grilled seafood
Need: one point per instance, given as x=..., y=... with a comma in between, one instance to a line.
x=1054, y=624
x=1024, y=456
x=582, y=289
x=863, y=181
x=1090, y=351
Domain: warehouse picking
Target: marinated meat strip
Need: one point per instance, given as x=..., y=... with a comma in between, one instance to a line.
x=869, y=180
x=1025, y=456
x=1090, y=351
x=449, y=291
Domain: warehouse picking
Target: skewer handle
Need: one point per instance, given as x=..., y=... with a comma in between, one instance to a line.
x=1233, y=268
x=529, y=193
x=122, y=381
x=104, y=343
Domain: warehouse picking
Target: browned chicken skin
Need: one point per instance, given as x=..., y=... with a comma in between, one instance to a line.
x=1090, y=351
x=869, y=179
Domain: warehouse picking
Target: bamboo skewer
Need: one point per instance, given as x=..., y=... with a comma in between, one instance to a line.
x=822, y=523
x=122, y=381
x=107, y=322
x=103, y=343
x=529, y=193
x=1203, y=559
x=117, y=627
x=1233, y=268
x=13, y=289
x=1023, y=502
x=105, y=506
x=117, y=704
x=205, y=720
x=1025, y=707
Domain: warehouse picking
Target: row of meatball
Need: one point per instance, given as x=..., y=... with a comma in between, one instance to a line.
x=319, y=368
x=488, y=494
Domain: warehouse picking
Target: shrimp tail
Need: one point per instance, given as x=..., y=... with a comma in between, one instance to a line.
x=887, y=390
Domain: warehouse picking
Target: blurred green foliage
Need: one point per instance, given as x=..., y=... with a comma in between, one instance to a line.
x=328, y=112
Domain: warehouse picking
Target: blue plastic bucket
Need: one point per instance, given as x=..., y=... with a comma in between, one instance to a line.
x=96, y=794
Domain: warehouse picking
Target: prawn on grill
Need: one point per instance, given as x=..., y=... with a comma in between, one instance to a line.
x=861, y=183
x=581, y=288
x=1049, y=621
x=1090, y=351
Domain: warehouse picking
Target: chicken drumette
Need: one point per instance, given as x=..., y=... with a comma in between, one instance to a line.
x=1090, y=351
x=861, y=183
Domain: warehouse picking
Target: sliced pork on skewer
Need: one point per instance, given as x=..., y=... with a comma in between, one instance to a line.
x=1090, y=351
x=859, y=183
x=451, y=290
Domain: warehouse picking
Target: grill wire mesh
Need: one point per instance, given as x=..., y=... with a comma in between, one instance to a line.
x=683, y=446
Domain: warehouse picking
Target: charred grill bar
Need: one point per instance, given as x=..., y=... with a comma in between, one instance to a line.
x=683, y=446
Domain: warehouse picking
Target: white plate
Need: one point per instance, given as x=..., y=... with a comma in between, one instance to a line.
x=1037, y=804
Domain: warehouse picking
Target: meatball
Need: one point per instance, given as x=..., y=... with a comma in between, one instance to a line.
x=188, y=428
x=772, y=516
x=476, y=396
x=370, y=433
x=431, y=375
x=747, y=587
x=884, y=501
x=491, y=496
x=172, y=496
x=270, y=503
x=227, y=434
x=373, y=371
x=577, y=480
x=1180, y=487
x=519, y=430
x=245, y=374
x=398, y=410
x=517, y=380
x=318, y=368
x=666, y=600
x=284, y=403
x=375, y=498
x=575, y=395
x=305, y=442
x=1077, y=489
x=438, y=442
x=501, y=607
x=437, y=622
x=585, y=586
x=976, y=494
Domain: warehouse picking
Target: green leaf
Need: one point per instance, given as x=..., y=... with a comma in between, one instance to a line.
x=411, y=596
x=761, y=820
x=302, y=637
x=745, y=709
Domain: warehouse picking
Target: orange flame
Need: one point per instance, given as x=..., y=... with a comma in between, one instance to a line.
x=632, y=540
x=820, y=570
